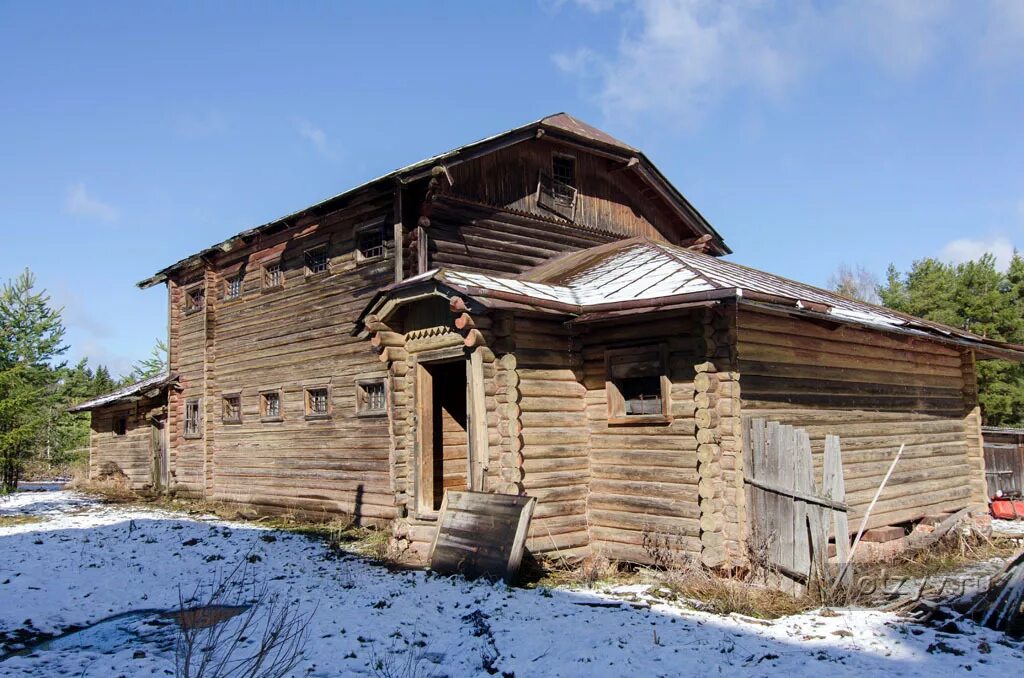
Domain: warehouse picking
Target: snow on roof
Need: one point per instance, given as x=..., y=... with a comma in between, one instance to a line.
x=641, y=269
x=125, y=392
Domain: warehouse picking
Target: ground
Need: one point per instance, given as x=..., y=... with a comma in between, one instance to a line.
x=84, y=562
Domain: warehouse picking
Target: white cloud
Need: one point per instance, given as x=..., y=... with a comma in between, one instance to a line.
x=315, y=136
x=684, y=57
x=679, y=58
x=81, y=204
x=968, y=249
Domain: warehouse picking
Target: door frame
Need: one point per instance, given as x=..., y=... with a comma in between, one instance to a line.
x=476, y=425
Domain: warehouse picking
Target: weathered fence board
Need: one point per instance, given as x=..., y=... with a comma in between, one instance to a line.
x=791, y=517
x=481, y=534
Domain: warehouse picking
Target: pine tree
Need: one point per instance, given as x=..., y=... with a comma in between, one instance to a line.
x=977, y=297
x=155, y=364
x=31, y=340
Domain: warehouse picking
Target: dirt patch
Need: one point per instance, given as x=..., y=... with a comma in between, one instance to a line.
x=12, y=521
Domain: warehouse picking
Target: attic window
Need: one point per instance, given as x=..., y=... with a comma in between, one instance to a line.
x=318, y=403
x=273, y=276
x=233, y=287
x=316, y=260
x=637, y=384
x=232, y=409
x=192, y=418
x=270, y=406
x=563, y=179
x=120, y=426
x=194, y=300
x=371, y=242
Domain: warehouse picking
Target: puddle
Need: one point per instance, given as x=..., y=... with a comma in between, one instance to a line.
x=128, y=629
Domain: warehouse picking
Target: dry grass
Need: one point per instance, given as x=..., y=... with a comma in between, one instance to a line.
x=113, y=489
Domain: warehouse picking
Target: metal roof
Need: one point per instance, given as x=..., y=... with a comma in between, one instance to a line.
x=640, y=272
x=126, y=392
x=558, y=123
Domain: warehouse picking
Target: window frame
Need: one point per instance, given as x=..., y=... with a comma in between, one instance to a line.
x=364, y=229
x=362, y=397
x=240, y=277
x=189, y=304
x=198, y=432
x=307, y=401
x=265, y=273
x=121, y=419
x=264, y=417
x=224, y=398
x=558, y=197
x=310, y=273
x=616, y=401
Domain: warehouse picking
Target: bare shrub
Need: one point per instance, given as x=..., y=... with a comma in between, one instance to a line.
x=399, y=662
x=239, y=629
x=113, y=488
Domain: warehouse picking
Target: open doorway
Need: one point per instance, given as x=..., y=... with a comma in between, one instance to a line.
x=443, y=437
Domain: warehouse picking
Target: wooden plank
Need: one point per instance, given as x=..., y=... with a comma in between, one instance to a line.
x=834, y=489
x=481, y=534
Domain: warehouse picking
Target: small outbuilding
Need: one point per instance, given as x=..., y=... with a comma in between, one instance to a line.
x=1004, y=460
x=128, y=436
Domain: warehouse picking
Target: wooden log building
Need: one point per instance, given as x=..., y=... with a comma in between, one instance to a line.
x=538, y=313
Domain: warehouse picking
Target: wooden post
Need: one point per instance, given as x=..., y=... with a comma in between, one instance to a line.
x=399, y=234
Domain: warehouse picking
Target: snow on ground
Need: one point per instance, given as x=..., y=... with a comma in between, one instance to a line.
x=85, y=562
x=1008, y=527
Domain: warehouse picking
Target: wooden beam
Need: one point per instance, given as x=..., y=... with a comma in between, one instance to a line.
x=399, y=234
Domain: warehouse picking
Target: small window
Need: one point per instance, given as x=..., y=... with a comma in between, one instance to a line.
x=318, y=402
x=232, y=413
x=370, y=398
x=563, y=175
x=316, y=260
x=193, y=422
x=120, y=426
x=371, y=242
x=194, y=300
x=233, y=287
x=270, y=406
x=273, y=275
x=637, y=384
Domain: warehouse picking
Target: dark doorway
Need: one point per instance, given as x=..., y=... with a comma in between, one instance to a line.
x=158, y=443
x=444, y=440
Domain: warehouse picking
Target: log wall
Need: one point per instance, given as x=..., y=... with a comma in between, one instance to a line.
x=132, y=453
x=287, y=338
x=555, y=439
x=875, y=391
x=468, y=236
x=644, y=477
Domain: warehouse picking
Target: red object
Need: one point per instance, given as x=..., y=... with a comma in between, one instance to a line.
x=1007, y=509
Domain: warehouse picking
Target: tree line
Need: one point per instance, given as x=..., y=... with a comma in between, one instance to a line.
x=37, y=386
x=975, y=296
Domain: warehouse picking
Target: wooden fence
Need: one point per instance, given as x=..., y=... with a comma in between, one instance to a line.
x=1004, y=461
x=791, y=516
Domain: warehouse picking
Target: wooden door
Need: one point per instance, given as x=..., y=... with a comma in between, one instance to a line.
x=442, y=437
x=158, y=444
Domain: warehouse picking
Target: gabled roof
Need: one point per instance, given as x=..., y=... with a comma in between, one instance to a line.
x=130, y=392
x=640, y=273
x=559, y=126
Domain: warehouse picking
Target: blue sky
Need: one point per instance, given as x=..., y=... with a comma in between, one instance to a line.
x=810, y=134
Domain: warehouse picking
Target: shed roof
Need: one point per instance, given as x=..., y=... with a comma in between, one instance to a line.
x=640, y=273
x=559, y=125
x=129, y=392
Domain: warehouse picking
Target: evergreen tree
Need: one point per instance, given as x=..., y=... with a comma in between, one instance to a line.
x=155, y=364
x=31, y=340
x=977, y=297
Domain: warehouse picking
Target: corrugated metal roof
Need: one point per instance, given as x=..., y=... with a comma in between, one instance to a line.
x=640, y=269
x=124, y=392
